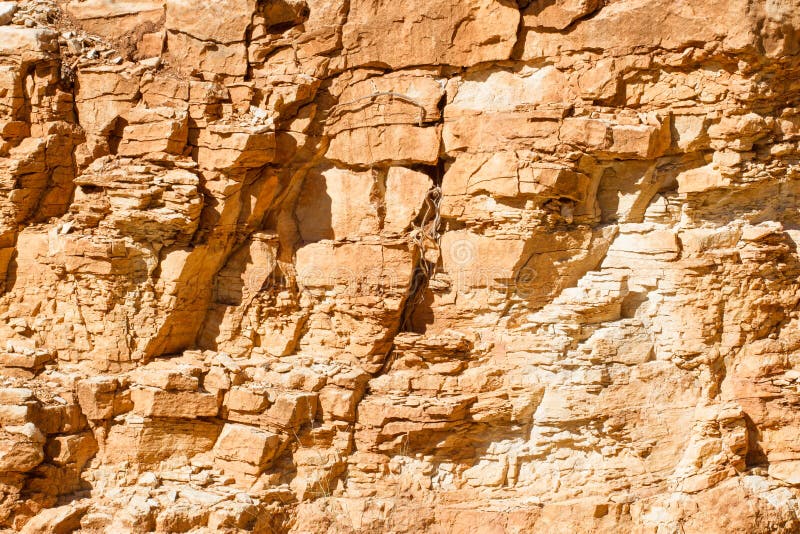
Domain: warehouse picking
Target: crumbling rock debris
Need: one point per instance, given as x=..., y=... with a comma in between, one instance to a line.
x=368, y=266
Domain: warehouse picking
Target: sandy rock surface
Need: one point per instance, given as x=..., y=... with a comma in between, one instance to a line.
x=437, y=266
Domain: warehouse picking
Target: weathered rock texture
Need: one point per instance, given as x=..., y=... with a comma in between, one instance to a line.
x=434, y=266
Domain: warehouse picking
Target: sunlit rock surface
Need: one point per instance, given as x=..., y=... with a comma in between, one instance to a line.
x=438, y=266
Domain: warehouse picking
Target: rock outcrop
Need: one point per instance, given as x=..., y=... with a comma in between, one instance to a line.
x=435, y=266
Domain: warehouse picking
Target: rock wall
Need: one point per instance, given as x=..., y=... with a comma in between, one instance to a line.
x=445, y=266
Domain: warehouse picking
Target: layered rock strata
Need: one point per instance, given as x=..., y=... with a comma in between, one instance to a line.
x=366, y=266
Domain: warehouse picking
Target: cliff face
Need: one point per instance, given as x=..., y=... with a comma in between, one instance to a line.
x=379, y=266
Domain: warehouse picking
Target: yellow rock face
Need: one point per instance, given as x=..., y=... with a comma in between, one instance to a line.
x=439, y=266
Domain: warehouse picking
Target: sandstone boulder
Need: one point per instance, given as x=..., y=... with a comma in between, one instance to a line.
x=244, y=449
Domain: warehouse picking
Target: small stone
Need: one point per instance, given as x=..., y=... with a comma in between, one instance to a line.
x=75, y=45
x=151, y=62
x=29, y=430
x=148, y=479
x=7, y=10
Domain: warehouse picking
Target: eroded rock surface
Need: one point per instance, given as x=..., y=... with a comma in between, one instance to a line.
x=367, y=266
